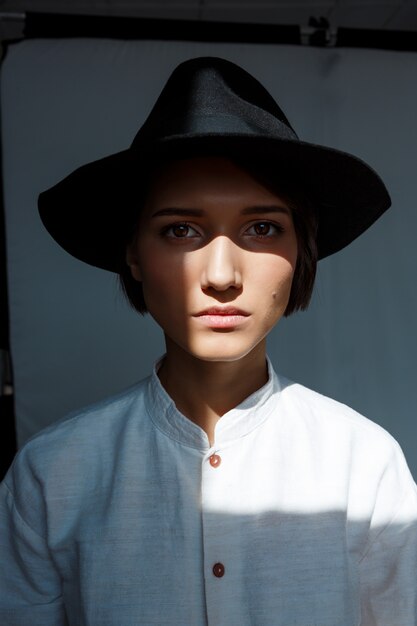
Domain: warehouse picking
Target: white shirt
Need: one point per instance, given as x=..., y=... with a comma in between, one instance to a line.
x=117, y=515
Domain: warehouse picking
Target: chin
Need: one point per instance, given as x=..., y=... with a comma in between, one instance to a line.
x=221, y=350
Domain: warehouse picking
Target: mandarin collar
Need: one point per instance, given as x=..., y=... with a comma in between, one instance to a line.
x=236, y=423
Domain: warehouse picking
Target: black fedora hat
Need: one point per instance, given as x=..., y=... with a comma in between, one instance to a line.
x=209, y=106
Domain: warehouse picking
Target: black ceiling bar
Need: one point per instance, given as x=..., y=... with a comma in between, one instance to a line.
x=48, y=25
x=60, y=25
x=401, y=40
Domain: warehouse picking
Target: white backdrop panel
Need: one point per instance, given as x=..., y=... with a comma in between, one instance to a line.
x=74, y=340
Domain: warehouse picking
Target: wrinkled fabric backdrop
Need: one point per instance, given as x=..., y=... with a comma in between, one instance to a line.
x=73, y=338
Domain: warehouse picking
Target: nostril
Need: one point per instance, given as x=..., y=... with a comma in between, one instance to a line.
x=222, y=281
x=221, y=270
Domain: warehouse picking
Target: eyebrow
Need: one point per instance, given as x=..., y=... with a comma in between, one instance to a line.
x=273, y=208
x=250, y=210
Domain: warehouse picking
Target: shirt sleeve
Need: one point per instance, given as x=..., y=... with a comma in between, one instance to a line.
x=388, y=568
x=30, y=587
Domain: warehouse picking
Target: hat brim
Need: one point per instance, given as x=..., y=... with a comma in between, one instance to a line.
x=90, y=213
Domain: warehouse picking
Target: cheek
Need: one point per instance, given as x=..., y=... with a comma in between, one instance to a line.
x=275, y=275
x=276, y=271
x=277, y=290
x=284, y=278
x=166, y=281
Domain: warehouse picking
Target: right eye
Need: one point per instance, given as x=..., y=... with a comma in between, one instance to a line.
x=180, y=230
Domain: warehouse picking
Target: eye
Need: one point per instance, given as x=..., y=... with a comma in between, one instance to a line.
x=264, y=229
x=180, y=230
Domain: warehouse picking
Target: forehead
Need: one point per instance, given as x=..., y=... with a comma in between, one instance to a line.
x=205, y=178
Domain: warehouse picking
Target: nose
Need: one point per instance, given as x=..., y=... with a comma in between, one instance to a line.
x=221, y=267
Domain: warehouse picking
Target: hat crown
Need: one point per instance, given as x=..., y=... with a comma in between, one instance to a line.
x=210, y=95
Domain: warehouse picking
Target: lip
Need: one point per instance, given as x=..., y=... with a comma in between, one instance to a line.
x=222, y=311
x=222, y=317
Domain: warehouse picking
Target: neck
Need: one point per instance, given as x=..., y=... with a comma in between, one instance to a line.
x=205, y=390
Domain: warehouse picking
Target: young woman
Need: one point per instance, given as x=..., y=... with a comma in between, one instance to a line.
x=215, y=492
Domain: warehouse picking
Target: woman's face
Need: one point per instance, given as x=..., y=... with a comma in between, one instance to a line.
x=216, y=253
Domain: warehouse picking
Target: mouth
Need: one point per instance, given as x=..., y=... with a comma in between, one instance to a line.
x=222, y=317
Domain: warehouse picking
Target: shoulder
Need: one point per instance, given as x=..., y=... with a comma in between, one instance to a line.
x=107, y=413
x=348, y=445
x=81, y=436
x=329, y=418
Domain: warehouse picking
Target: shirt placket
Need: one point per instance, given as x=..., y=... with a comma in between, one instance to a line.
x=216, y=558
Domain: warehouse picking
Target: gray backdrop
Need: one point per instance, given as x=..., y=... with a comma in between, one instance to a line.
x=74, y=340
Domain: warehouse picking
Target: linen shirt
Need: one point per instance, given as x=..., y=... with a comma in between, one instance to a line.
x=302, y=513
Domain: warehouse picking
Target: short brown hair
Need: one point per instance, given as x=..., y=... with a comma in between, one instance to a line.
x=305, y=224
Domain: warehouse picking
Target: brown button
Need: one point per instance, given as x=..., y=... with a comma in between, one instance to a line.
x=215, y=460
x=218, y=570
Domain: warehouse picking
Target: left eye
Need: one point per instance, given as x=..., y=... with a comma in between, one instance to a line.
x=263, y=229
x=180, y=231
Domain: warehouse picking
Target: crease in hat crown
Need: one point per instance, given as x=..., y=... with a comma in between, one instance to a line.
x=204, y=89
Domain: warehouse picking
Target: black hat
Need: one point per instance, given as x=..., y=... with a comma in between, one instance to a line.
x=209, y=106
